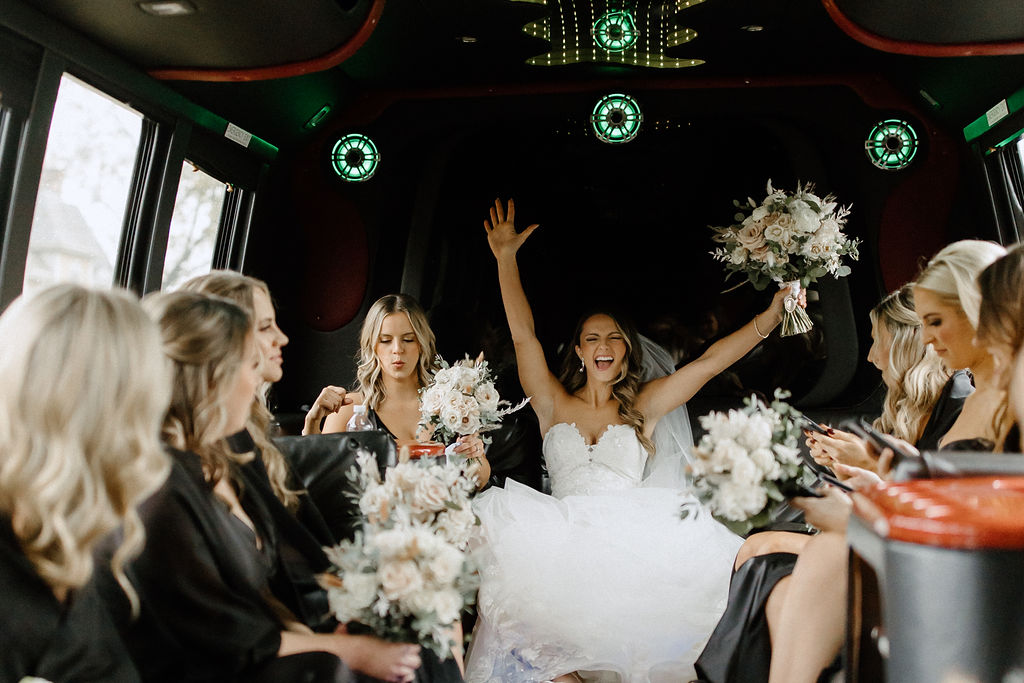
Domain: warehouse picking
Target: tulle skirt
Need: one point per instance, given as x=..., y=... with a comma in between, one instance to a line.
x=615, y=583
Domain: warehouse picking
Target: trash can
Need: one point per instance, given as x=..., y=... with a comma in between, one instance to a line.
x=947, y=557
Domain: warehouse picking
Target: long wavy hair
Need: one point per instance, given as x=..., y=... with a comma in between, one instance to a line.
x=240, y=289
x=915, y=376
x=83, y=390
x=952, y=274
x=368, y=369
x=1001, y=318
x=205, y=338
x=625, y=387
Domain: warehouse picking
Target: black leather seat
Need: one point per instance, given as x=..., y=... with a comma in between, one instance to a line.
x=322, y=463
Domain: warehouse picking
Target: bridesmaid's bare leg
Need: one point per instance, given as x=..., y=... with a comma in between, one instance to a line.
x=810, y=624
x=768, y=542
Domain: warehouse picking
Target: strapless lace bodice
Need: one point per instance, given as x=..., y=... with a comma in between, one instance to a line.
x=614, y=463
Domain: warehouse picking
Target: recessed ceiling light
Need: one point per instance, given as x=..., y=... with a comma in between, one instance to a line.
x=167, y=8
x=466, y=39
x=752, y=28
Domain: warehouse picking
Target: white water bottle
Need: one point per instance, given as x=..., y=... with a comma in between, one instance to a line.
x=358, y=422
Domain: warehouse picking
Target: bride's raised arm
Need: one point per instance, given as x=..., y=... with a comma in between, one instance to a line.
x=537, y=380
x=660, y=396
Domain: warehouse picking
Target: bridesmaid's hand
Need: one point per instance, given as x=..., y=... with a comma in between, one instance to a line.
x=396, y=662
x=472, y=448
x=330, y=400
x=501, y=231
x=831, y=512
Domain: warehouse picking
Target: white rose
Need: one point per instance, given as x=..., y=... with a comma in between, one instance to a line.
x=764, y=460
x=445, y=604
x=404, y=476
x=443, y=377
x=455, y=525
x=756, y=432
x=397, y=542
x=738, y=256
x=745, y=472
x=375, y=503
x=759, y=214
x=429, y=495
x=399, y=579
x=445, y=566
x=432, y=401
x=762, y=254
x=805, y=220
x=487, y=395
x=739, y=501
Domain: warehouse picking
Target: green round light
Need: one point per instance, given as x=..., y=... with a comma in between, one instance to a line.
x=355, y=158
x=891, y=145
x=616, y=118
x=615, y=31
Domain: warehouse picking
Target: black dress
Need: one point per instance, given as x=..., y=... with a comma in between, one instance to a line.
x=39, y=636
x=201, y=582
x=739, y=650
x=298, y=542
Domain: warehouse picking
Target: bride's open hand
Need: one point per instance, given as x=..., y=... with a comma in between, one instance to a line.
x=501, y=230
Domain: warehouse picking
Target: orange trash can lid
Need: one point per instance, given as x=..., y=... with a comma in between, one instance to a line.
x=425, y=450
x=972, y=513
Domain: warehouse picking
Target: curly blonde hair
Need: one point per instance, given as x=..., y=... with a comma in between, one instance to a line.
x=626, y=387
x=205, y=337
x=83, y=389
x=915, y=375
x=368, y=370
x=239, y=288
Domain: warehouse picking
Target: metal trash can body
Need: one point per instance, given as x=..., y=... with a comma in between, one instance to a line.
x=948, y=556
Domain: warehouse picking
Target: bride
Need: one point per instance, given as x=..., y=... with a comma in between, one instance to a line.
x=604, y=579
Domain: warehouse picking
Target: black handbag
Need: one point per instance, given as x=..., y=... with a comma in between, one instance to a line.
x=321, y=463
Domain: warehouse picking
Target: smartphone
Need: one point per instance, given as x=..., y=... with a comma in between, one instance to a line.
x=880, y=441
x=809, y=424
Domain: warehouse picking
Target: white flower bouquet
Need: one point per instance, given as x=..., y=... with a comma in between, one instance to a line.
x=791, y=239
x=407, y=576
x=748, y=461
x=461, y=400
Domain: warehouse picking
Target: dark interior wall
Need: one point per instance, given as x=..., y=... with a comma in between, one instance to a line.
x=622, y=226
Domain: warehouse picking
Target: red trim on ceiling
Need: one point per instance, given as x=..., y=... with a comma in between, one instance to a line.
x=321, y=63
x=909, y=47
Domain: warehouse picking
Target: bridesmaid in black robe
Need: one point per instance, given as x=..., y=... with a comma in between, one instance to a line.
x=75, y=362
x=208, y=611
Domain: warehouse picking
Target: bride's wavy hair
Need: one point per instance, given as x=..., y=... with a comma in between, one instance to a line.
x=368, y=370
x=915, y=376
x=83, y=389
x=205, y=338
x=625, y=387
x=241, y=289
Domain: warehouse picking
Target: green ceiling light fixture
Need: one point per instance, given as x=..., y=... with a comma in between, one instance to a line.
x=616, y=118
x=891, y=145
x=634, y=33
x=615, y=31
x=355, y=158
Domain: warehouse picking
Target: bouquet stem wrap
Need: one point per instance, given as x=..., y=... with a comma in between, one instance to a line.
x=794, y=318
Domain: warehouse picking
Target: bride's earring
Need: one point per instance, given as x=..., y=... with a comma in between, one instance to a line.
x=582, y=365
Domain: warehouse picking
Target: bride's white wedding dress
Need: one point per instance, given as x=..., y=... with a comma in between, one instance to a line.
x=601, y=576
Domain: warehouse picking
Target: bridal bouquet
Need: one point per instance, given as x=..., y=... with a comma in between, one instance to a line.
x=461, y=400
x=748, y=461
x=407, y=575
x=792, y=239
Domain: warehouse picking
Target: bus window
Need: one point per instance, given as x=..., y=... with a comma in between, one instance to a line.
x=86, y=176
x=194, y=223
